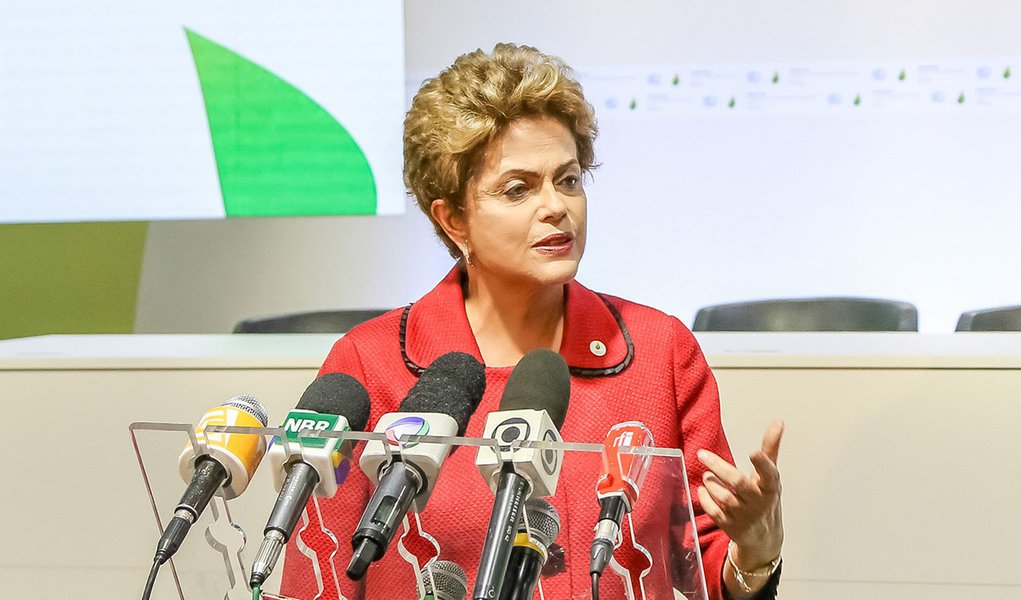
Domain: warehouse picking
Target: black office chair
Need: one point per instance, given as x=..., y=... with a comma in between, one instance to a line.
x=809, y=314
x=325, y=321
x=1004, y=318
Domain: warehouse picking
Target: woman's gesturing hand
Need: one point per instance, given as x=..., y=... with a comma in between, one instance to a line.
x=747, y=507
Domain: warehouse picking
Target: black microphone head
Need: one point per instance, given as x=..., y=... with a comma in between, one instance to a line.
x=338, y=394
x=453, y=384
x=543, y=521
x=445, y=580
x=540, y=381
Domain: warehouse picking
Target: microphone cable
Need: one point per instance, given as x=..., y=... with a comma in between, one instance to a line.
x=595, y=586
x=151, y=581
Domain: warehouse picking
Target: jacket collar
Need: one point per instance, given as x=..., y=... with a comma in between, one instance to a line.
x=596, y=341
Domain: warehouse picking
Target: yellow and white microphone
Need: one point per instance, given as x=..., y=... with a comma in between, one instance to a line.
x=238, y=453
x=222, y=460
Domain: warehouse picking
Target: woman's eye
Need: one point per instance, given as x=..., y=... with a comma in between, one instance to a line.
x=516, y=191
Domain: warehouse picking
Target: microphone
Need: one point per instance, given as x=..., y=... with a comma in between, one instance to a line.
x=532, y=408
x=439, y=404
x=229, y=463
x=333, y=402
x=444, y=580
x=617, y=488
x=531, y=549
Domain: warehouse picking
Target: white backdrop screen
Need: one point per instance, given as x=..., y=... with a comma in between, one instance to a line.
x=792, y=148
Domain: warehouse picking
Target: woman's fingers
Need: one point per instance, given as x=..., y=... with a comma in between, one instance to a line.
x=710, y=507
x=771, y=440
x=722, y=469
x=746, y=507
x=729, y=475
x=720, y=493
x=765, y=460
x=765, y=468
x=740, y=503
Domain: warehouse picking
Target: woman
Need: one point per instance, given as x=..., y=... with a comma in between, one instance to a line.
x=496, y=149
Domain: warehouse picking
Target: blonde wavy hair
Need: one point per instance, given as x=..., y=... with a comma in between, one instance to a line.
x=455, y=115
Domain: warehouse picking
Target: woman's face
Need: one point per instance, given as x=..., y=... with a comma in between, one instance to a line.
x=525, y=209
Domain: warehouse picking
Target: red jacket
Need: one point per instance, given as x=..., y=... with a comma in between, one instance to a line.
x=652, y=371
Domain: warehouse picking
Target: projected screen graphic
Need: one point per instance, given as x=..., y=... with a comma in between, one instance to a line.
x=199, y=111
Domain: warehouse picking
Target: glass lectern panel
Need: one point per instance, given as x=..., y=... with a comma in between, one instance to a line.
x=655, y=553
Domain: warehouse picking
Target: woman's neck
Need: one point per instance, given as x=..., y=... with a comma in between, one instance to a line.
x=509, y=318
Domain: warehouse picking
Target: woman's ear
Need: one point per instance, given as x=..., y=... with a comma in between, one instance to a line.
x=450, y=219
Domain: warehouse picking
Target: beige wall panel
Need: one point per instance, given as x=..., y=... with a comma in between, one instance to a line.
x=83, y=504
x=895, y=476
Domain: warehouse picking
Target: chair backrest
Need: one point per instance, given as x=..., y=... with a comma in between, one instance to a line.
x=1004, y=318
x=809, y=314
x=325, y=321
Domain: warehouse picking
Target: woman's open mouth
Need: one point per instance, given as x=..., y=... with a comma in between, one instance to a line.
x=556, y=243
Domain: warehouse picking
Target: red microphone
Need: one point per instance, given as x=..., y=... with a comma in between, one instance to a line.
x=618, y=488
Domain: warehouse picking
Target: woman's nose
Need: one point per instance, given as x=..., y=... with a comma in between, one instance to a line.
x=553, y=206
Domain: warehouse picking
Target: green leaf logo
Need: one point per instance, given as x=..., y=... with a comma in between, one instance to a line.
x=633, y=105
x=1006, y=73
x=277, y=151
x=776, y=77
x=857, y=100
x=676, y=80
x=731, y=103
x=960, y=99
